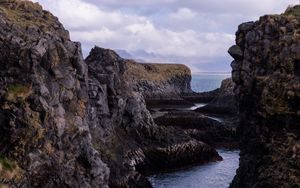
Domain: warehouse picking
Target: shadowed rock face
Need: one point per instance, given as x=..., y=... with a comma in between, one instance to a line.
x=224, y=102
x=44, y=133
x=123, y=129
x=266, y=74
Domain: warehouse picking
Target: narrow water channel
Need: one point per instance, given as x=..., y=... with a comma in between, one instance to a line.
x=212, y=175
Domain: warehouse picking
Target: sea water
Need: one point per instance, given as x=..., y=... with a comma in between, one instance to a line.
x=202, y=82
x=212, y=175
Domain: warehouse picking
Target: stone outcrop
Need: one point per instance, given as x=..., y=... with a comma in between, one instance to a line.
x=209, y=130
x=222, y=103
x=61, y=117
x=124, y=132
x=266, y=70
x=161, y=83
x=45, y=139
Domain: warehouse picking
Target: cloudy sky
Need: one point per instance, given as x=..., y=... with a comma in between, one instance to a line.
x=193, y=32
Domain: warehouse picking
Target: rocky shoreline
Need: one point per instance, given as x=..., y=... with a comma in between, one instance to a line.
x=105, y=121
x=70, y=122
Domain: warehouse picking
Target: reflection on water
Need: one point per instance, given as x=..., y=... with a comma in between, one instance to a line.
x=212, y=175
x=197, y=105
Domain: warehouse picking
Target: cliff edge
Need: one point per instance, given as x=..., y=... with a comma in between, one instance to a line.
x=159, y=81
x=266, y=71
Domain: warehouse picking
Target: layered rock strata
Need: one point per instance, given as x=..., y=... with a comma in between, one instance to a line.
x=160, y=83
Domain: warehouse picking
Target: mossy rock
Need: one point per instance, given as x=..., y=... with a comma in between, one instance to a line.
x=17, y=12
x=18, y=92
x=293, y=11
x=6, y=164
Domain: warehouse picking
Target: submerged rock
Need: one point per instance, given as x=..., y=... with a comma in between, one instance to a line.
x=268, y=91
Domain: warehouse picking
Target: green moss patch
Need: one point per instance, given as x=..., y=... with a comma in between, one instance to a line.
x=6, y=164
x=18, y=91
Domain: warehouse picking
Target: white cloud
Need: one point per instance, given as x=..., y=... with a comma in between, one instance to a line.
x=191, y=31
x=183, y=14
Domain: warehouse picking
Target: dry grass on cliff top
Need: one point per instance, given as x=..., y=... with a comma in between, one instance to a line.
x=155, y=72
x=25, y=13
x=293, y=11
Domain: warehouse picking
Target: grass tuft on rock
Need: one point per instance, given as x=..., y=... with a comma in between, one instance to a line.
x=293, y=11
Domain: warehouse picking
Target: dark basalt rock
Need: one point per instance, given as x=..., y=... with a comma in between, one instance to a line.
x=203, y=97
x=124, y=132
x=45, y=139
x=268, y=93
x=224, y=103
x=58, y=123
x=203, y=128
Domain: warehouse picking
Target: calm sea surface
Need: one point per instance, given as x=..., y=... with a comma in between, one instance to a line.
x=212, y=175
x=207, y=81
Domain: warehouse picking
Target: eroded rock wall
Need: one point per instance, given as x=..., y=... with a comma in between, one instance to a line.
x=266, y=73
x=45, y=139
x=124, y=131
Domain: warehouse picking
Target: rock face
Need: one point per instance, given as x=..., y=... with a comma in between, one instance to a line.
x=45, y=139
x=159, y=82
x=61, y=117
x=266, y=70
x=123, y=129
x=224, y=102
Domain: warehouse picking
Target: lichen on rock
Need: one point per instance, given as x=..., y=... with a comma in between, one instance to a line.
x=268, y=93
x=42, y=75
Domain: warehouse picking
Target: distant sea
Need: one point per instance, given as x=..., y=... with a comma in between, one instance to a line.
x=208, y=81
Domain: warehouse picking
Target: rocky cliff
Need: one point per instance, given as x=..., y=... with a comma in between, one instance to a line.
x=123, y=129
x=69, y=123
x=266, y=71
x=45, y=139
x=159, y=81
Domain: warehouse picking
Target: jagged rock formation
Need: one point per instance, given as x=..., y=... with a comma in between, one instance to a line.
x=123, y=129
x=202, y=128
x=224, y=102
x=161, y=83
x=266, y=73
x=58, y=122
x=45, y=139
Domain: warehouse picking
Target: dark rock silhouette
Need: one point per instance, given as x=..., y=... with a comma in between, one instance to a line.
x=124, y=132
x=266, y=74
